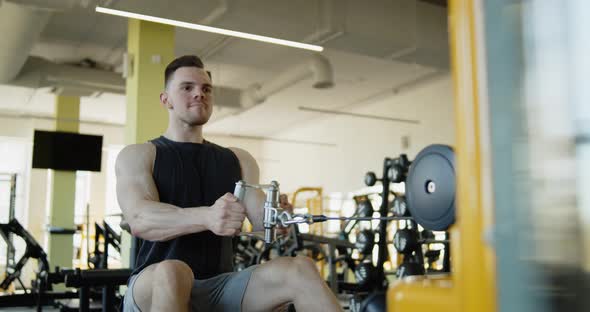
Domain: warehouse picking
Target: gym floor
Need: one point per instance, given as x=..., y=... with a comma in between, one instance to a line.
x=71, y=304
x=26, y=309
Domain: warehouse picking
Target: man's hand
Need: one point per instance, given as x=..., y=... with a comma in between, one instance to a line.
x=284, y=204
x=226, y=216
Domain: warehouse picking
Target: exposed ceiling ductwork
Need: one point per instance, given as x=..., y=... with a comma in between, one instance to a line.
x=43, y=38
x=50, y=5
x=317, y=66
x=370, y=45
x=84, y=81
x=25, y=26
x=26, y=19
x=74, y=80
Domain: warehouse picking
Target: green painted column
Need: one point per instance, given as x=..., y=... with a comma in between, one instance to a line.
x=63, y=190
x=150, y=47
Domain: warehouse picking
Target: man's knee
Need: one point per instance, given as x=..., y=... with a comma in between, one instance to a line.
x=295, y=270
x=173, y=273
x=304, y=266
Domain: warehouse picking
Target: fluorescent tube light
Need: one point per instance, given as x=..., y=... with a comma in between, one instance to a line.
x=216, y=30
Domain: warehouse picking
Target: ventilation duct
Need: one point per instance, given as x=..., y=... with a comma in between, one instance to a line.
x=317, y=67
x=25, y=25
x=83, y=81
x=40, y=73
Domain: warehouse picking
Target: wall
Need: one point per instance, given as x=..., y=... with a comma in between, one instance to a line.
x=33, y=183
x=358, y=145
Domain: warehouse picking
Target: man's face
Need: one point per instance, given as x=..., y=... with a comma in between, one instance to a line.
x=189, y=96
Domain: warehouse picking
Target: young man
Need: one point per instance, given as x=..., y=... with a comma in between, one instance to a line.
x=175, y=193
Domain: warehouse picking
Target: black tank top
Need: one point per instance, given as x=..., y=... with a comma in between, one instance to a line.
x=192, y=175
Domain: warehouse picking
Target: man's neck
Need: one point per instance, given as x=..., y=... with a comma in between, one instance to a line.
x=185, y=134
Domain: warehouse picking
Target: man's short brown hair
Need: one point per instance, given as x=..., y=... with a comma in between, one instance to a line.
x=182, y=61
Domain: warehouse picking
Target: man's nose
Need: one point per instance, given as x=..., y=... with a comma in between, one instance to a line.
x=198, y=93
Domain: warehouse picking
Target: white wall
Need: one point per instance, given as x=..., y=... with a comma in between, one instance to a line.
x=35, y=180
x=360, y=144
x=32, y=187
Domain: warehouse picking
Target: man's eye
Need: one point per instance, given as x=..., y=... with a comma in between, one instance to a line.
x=207, y=90
x=186, y=88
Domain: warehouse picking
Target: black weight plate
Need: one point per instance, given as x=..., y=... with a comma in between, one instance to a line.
x=426, y=234
x=365, y=208
x=365, y=242
x=365, y=274
x=405, y=241
x=434, y=209
x=409, y=269
x=399, y=207
x=370, y=179
x=395, y=173
x=375, y=302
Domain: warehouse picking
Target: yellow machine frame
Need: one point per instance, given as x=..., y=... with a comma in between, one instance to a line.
x=315, y=204
x=471, y=287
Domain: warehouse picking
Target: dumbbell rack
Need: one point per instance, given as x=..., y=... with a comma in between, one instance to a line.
x=394, y=170
x=411, y=250
x=430, y=196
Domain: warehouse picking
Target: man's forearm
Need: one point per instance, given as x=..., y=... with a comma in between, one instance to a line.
x=255, y=208
x=157, y=221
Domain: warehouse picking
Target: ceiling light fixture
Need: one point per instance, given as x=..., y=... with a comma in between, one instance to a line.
x=216, y=30
x=336, y=112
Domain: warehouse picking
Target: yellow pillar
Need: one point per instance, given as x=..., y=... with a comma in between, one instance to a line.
x=150, y=47
x=474, y=271
x=471, y=285
x=63, y=190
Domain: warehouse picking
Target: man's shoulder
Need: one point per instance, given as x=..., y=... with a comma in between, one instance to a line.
x=141, y=149
x=136, y=156
x=240, y=153
x=244, y=157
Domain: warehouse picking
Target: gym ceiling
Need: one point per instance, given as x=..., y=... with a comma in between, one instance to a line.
x=374, y=47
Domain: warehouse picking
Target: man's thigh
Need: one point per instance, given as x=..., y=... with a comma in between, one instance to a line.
x=224, y=292
x=268, y=288
x=220, y=293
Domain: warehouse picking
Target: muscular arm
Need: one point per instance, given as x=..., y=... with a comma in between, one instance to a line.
x=138, y=197
x=254, y=199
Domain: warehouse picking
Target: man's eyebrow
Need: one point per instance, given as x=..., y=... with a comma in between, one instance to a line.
x=206, y=84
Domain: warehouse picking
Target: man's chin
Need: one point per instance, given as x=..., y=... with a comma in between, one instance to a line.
x=197, y=122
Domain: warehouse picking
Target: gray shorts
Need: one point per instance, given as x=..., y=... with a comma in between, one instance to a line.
x=223, y=292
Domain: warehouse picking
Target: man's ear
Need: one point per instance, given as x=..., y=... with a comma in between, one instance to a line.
x=164, y=100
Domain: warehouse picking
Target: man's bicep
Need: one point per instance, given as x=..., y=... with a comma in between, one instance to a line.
x=254, y=199
x=248, y=166
x=134, y=178
x=132, y=188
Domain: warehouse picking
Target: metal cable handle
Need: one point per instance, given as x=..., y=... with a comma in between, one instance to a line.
x=309, y=219
x=272, y=209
